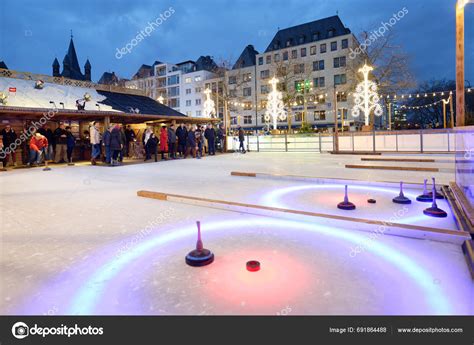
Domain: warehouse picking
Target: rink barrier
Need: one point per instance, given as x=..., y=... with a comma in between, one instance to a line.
x=418, y=160
x=384, y=167
x=325, y=180
x=359, y=224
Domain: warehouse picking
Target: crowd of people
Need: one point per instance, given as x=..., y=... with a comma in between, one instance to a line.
x=114, y=143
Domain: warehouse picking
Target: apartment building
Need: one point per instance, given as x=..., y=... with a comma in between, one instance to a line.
x=313, y=66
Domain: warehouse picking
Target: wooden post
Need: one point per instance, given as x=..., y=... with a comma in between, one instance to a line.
x=451, y=109
x=460, y=105
x=390, y=116
x=444, y=114
x=336, y=133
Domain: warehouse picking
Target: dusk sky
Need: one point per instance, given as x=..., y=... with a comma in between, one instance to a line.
x=33, y=33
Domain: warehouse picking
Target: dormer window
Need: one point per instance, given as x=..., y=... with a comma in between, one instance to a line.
x=331, y=33
x=288, y=42
x=316, y=36
x=301, y=39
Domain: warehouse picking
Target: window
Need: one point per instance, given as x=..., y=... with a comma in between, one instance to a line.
x=268, y=59
x=198, y=101
x=318, y=65
x=265, y=74
x=173, y=91
x=298, y=117
x=173, y=102
x=198, y=112
x=281, y=87
x=247, y=77
x=247, y=119
x=189, y=113
x=260, y=60
x=333, y=46
x=340, y=62
x=188, y=102
x=247, y=91
x=198, y=89
x=341, y=97
x=303, y=52
x=188, y=91
x=188, y=80
x=345, y=43
x=299, y=68
x=340, y=79
x=321, y=99
x=316, y=36
x=320, y=115
x=322, y=48
x=232, y=80
x=344, y=113
x=312, y=50
x=276, y=57
x=294, y=54
x=174, y=79
x=281, y=71
x=197, y=78
x=319, y=82
x=233, y=93
x=264, y=89
x=331, y=33
x=288, y=43
x=285, y=56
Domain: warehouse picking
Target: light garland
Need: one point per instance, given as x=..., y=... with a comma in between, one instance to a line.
x=445, y=101
x=366, y=98
x=275, y=107
x=209, y=106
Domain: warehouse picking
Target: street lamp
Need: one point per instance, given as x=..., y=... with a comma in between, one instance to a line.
x=460, y=102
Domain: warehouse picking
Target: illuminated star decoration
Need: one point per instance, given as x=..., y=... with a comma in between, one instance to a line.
x=275, y=108
x=366, y=97
x=209, y=106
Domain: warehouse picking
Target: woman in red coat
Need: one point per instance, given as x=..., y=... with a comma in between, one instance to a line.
x=163, y=141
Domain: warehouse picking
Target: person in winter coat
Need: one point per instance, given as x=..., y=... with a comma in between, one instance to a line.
x=9, y=137
x=95, y=139
x=163, y=141
x=60, y=138
x=199, y=141
x=70, y=143
x=146, y=135
x=116, y=144
x=191, y=142
x=172, y=142
x=182, y=135
x=152, y=146
x=221, y=137
x=241, y=140
x=38, y=144
x=106, y=141
x=124, y=141
x=130, y=137
x=210, y=135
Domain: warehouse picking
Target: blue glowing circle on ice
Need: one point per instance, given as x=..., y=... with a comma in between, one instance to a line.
x=91, y=292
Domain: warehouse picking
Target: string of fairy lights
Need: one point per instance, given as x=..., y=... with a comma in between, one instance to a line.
x=391, y=97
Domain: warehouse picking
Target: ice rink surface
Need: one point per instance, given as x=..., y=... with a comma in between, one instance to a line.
x=77, y=240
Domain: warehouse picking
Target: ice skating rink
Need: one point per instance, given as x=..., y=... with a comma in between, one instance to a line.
x=77, y=240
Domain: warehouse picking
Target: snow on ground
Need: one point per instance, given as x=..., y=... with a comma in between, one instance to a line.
x=77, y=240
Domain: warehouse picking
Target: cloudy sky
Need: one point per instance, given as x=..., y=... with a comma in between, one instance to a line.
x=33, y=33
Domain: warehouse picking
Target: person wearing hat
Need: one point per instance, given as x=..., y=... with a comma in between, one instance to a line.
x=60, y=138
x=9, y=137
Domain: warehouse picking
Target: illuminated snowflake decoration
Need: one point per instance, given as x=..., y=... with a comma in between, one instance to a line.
x=275, y=108
x=366, y=98
x=209, y=106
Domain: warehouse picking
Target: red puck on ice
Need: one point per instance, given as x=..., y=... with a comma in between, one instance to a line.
x=253, y=266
